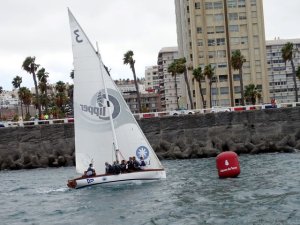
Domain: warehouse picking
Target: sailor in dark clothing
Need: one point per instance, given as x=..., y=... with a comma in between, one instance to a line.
x=130, y=166
x=123, y=166
x=108, y=168
x=142, y=163
x=116, y=167
x=90, y=171
x=136, y=164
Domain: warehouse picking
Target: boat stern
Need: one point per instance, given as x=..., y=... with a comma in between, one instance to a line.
x=72, y=183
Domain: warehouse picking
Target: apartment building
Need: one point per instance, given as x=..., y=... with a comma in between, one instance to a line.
x=151, y=79
x=167, y=89
x=281, y=81
x=209, y=31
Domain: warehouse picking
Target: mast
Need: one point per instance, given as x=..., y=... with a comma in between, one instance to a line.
x=116, y=146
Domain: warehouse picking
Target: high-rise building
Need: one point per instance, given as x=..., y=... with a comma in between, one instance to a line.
x=151, y=79
x=167, y=88
x=281, y=81
x=209, y=31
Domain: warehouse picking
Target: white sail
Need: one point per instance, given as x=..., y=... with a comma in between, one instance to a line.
x=93, y=131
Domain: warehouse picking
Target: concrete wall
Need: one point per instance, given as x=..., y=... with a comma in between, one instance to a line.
x=195, y=136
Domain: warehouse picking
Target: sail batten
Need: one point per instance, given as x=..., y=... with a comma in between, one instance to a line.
x=103, y=121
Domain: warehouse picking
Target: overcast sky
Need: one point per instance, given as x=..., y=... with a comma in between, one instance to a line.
x=41, y=29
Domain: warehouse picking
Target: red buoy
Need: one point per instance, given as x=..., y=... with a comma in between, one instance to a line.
x=228, y=164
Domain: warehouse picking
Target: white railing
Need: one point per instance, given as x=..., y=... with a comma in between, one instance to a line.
x=37, y=122
x=157, y=114
x=219, y=109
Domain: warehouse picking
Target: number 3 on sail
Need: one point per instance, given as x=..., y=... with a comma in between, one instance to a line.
x=106, y=132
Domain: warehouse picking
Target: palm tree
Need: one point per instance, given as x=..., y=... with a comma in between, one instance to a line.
x=288, y=54
x=237, y=61
x=252, y=93
x=60, y=98
x=31, y=67
x=182, y=68
x=173, y=70
x=42, y=77
x=209, y=73
x=17, y=84
x=128, y=59
x=199, y=76
x=25, y=97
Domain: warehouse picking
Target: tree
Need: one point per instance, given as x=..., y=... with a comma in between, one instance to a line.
x=182, y=68
x=31, y=67
x=17, y=84
x=60, y=98
x=128, y=59
x=237, y=61
x=43, y=86
x=1, y=89
x=209, y=73
x=288, y=54
x=173, y=70
x=252, y=93
x=199, y=76
x=25, y=97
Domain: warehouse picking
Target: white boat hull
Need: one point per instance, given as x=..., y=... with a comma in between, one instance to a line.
x=123, y=178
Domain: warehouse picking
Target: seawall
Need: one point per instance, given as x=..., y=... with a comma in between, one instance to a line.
x=182, y=137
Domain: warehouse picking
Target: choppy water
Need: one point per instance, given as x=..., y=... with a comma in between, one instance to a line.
x=266, y=192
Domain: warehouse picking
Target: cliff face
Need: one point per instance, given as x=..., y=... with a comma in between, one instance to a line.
x=195, y=136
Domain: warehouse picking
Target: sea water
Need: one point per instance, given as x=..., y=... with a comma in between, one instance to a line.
x=266, y=192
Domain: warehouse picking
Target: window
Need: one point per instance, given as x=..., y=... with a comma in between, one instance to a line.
x=244, y=40
x=219, y=29
x=233, y=16
x=224, y=90
x=242, y=16
x=253, y=2
x=199, y=30
x=210, y=30
x=218, y=5
x=211, y=42
x=233, y=28
x=214, y=91
x=223, y=78
x=221, y=53
x=219, y=17
x=241, y=3
x=232, y=3
x=236, y=77
x=199, y=42
x=254, y=14
x=234, y=41
x=197, y=5
x=220, y=41
x=222, y=65
x=211, y=54
x=237, y=89
x=208, y=5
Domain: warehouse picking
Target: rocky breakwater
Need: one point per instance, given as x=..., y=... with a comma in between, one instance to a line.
x=176, y=137
x=198, y=136
x=37, y=146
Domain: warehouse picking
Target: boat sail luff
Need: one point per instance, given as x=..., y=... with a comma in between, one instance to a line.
x=103, y=119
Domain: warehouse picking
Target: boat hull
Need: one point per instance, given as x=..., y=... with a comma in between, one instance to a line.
x=142, y=176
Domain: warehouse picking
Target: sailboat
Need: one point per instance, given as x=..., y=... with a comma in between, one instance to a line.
x=105, y=128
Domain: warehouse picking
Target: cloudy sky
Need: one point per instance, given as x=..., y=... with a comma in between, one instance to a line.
x=41, y=29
